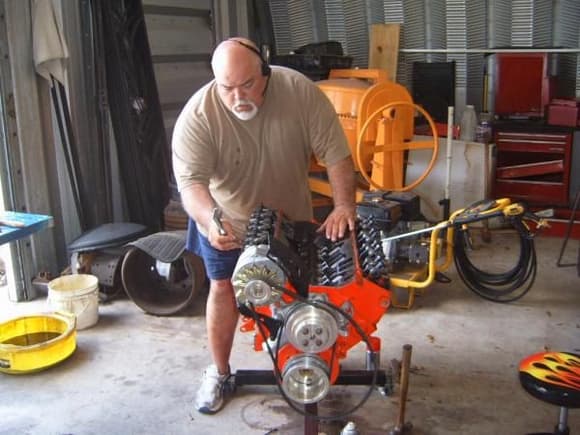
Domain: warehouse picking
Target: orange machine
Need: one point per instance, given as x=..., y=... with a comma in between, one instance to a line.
x=378, y=118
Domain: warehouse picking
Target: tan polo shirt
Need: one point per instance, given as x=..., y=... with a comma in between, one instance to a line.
x=261, y=161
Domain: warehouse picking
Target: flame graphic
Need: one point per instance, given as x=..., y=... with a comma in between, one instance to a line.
x=556, y=368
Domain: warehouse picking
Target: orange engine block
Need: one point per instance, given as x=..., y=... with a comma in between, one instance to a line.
x=309, y=300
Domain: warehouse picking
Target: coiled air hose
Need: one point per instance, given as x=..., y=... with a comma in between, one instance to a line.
x=498, y=287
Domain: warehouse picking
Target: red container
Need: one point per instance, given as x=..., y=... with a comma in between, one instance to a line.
x=522, y=85
x=566, y=115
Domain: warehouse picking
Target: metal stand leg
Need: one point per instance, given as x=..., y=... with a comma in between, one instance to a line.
x=310, y=422
x=578, y=261
x=562, y=428
x=346, y=377
x=402, y=427
x=568, y=232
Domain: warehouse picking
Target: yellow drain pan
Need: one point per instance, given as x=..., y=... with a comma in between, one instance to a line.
x=35, y=342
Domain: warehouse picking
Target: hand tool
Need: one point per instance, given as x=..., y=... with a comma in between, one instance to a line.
x=216, y=216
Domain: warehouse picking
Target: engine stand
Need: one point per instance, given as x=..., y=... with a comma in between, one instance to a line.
x=310, y=421
x=346, y=377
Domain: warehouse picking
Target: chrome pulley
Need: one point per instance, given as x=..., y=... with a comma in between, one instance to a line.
x=306, y=379
x=257, y=277
x=310, y=328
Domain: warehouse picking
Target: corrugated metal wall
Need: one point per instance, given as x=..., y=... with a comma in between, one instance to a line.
x=346, y=30
x=474, y=64
x=281, y=25
x=567, y=34
x=439, y=24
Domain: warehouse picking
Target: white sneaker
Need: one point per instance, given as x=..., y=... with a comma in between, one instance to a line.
x=210, y=396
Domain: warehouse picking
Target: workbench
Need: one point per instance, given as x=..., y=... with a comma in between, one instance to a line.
x=16, y=225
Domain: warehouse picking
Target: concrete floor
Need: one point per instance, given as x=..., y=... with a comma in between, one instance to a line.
x=137, y=374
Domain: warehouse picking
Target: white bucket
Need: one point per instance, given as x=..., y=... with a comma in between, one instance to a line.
x=77, y=294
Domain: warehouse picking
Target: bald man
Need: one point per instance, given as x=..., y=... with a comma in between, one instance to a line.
x=245, y=139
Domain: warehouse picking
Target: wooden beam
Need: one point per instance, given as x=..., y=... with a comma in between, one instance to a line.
x=384, y=48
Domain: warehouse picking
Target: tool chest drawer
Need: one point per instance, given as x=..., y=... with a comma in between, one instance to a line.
x=534, y=167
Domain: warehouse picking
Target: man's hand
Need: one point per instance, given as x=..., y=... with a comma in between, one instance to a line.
x=226, y=242
x=200, y=206
x=335, y=225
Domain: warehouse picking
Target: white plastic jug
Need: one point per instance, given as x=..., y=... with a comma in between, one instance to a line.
x=468, y=124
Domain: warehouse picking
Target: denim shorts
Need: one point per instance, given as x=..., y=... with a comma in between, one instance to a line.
x=218, y=264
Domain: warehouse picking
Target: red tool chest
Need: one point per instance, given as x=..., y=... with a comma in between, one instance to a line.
x=523, y=84
x=533, y=166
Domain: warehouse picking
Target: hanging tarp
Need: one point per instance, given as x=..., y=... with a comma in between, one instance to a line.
x=135, y=110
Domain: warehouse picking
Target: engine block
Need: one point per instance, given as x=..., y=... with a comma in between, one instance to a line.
x=309, y=300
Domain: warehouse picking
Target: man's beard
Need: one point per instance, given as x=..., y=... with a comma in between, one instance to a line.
x=244, y=115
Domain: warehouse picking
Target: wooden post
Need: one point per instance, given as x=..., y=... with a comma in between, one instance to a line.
x=384, y=48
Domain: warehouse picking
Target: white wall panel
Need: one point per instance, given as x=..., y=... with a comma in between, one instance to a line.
x=469, y=180
x=170, y=35
x=181, y=38
x=178, y=81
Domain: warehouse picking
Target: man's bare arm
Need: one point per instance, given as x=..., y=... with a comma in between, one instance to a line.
x=341, y=177
x=199, y=205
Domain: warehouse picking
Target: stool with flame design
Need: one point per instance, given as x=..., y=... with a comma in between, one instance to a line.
x=553, y=377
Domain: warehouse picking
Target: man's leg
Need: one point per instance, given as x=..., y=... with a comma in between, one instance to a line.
x=221, y=321
x=221, y=314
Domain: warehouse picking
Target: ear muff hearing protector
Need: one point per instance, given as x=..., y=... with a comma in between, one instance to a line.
x=266, y=70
